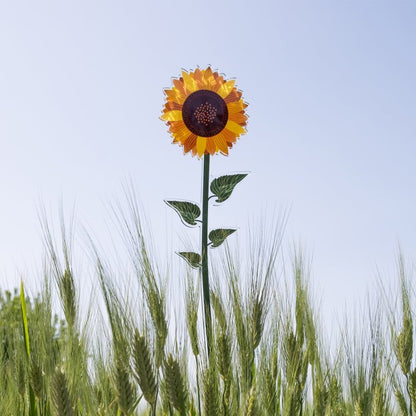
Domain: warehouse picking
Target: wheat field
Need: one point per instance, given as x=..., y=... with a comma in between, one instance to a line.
x=270, y=355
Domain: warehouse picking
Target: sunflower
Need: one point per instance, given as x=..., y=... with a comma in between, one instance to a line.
x=204, y=112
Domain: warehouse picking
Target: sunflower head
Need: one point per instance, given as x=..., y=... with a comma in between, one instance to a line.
x=204, y=112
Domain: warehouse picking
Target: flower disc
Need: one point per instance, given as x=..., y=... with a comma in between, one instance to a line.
x=204, y=112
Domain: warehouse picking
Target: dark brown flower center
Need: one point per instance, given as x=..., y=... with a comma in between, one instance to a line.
x=205, y=113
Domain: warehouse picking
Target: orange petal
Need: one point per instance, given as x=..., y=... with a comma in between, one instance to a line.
x=211, y=148
x=240, y=118
x=179, y=86
x=189, y=143
x=233, y=96
x=229, y=136
x=178, y=127
x=208, y=73
x=219, y=80
x=171, y=105
x=198, y=78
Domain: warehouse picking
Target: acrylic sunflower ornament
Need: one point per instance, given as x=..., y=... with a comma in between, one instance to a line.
x=205, y=113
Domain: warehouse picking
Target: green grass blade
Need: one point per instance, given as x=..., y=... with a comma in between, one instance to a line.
x=32, y=399
x=24, y=320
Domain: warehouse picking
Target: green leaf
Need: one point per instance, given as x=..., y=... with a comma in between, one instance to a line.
x=223, y=186
x=219, y=235
x=188, y=211
x=193, y=259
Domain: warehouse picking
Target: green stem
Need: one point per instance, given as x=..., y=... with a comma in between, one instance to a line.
x=205, y=278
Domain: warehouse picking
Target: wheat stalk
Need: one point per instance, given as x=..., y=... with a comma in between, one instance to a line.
x=251, y=405
x=61, y=397
x=124, y=389
x=175, y=385
x=211, y=392
x=144, y=370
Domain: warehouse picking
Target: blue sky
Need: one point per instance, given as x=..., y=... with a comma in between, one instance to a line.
x=331, y=135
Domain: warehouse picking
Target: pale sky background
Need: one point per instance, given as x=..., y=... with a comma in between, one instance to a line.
x=331, y=136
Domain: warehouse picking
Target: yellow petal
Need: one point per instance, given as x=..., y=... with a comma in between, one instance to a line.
x=226, y=88
x=235, y=107
x=209, y=79
x=203, y=80
x=175, y=95
x=190, y=84
x=174, y=115
x=235, y=128
x=201, y=145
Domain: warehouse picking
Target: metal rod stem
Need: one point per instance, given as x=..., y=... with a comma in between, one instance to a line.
x=205, y=277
